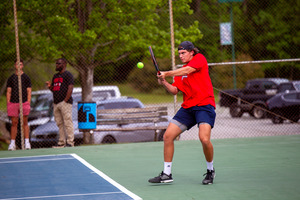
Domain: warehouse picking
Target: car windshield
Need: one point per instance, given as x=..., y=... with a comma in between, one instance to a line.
x=269, y=85
x=108, y=93
x=297, y=86
x=118, y=105
x=43, y=104
x=34, y=99
x=285, y=87
x=97, y=96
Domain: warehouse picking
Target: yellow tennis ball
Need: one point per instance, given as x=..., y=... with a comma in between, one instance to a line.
x=140, y=65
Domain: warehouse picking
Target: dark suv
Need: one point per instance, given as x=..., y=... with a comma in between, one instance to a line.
x=252, y=98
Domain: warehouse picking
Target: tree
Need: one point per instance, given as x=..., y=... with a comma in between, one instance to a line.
x=7, y=39
x=263, y=30
x=96, y=33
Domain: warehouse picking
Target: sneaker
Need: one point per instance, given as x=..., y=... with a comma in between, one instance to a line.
x=27, y=146
x=162, y=178
x=12, y=147
x=209, y=178
x=69, y=145
x=58, y=146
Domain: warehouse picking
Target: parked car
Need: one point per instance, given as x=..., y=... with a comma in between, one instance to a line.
x=284, y=106
x=121, y=136
x=41, y=104
x=42, y=100
x=289, y=86
x=47, y=130
x=47, y=134
x=112, y=89
x=35, y=96
x=43, y=107
x=251, y=98
x=43, y=111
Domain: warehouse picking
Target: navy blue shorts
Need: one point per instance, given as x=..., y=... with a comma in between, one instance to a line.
x=195, y=115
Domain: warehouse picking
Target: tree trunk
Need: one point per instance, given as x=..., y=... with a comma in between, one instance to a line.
x=87, y=83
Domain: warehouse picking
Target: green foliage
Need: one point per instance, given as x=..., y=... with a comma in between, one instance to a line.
x=110, y=36
x=222, y=77
x=145, y=80
x=98, y=34
x=273, y=35
x=98, y=30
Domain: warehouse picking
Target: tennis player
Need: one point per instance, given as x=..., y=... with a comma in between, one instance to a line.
x=198, y=107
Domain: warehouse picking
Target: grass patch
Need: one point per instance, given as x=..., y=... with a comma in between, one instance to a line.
x=3, y=103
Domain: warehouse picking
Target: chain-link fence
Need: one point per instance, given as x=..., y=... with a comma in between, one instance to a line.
x=103, y=41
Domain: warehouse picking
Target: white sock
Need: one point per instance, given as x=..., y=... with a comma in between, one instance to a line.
x=12, y=141
x=167, y=167
x=26, y=140
x=210, y=165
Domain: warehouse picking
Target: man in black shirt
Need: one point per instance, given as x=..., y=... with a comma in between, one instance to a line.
x=13, y=106
x=62, y=87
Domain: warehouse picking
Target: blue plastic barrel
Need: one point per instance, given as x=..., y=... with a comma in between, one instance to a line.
x=87, y=115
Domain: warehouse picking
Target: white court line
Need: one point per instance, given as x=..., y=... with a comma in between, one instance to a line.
x=37, y=156
x=37, y=160
x=111, y=181
x=65, y=195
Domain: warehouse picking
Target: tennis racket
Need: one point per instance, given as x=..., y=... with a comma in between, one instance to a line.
x=154, y=60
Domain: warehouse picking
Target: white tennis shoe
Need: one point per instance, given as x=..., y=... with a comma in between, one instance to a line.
x=12, y=147
x=27, y=146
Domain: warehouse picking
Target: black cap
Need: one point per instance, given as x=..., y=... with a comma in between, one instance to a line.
x=186, y=45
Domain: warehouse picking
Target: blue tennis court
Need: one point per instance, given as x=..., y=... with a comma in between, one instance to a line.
x=65, y=176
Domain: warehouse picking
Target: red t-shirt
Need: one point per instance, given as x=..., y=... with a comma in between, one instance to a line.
x=196, y=87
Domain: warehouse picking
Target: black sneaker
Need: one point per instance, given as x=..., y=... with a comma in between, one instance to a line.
x=209, y=178
x=162, y=178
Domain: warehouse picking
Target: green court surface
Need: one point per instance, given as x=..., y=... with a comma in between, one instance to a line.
x=247, y=168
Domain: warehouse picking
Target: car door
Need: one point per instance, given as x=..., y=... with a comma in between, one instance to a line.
x=291, y=106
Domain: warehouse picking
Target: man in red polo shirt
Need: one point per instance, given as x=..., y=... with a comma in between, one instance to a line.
x=198, y=107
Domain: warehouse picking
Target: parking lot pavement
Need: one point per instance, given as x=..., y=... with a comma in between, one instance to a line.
x=246, y=126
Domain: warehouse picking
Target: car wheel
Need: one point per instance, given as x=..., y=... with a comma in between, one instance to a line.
x=276, y=119
x=34, y=145
x=78, y=142
x=294, y=119
x=235, y=110
x=108, y=140
x=258, y=112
